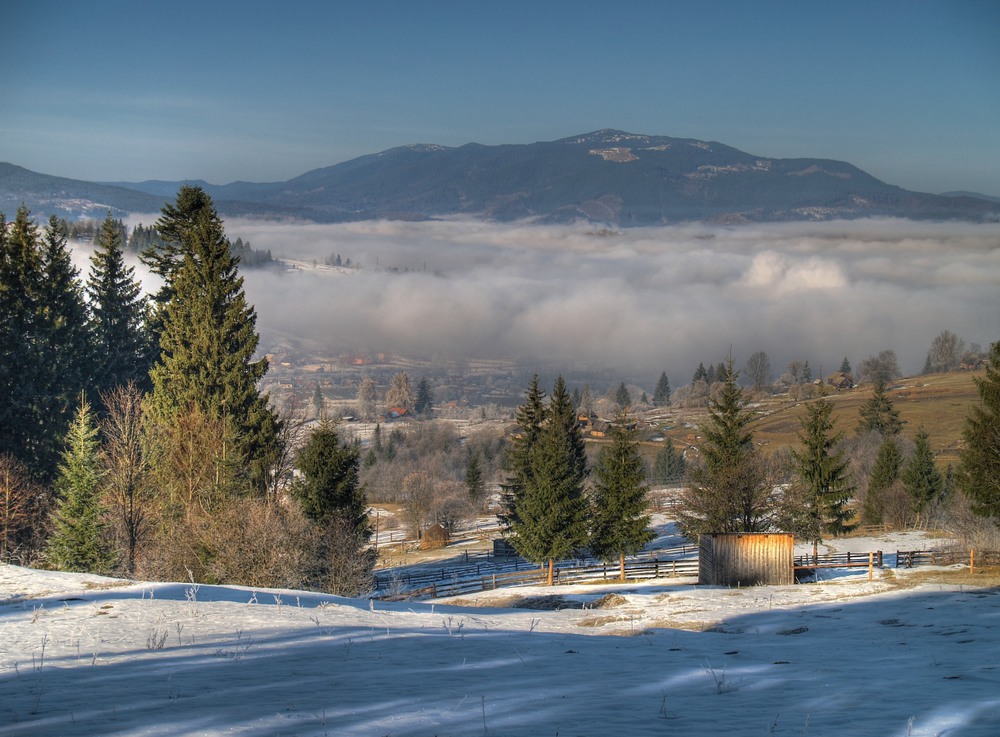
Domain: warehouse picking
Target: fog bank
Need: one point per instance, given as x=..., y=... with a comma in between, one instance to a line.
x=638, y=301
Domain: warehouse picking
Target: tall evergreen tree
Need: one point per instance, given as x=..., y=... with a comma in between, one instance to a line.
x=39, y=374
x=700, y=374
x=661, y=395
x=207, y=349
x=125, y=352
x=424, y=403
x=979, y=472
x=823, y=477
x=165, y=255
x=669, y=465
x=474, y=482
x=619, y=524
x=20, y=270
x=550, y=514
x=622, y=397
x=877, y=413
x=329, y=488
x=530, y=418
x=66, y=353
x=845, y=366
x=79, y=540
x=66, y=319
x=921, y=477
x=732, y=489
x=885, y=473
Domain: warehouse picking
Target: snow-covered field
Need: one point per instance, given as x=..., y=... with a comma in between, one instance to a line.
x=85, y=655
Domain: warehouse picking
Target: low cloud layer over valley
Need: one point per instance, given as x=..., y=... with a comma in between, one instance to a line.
x=638, y=301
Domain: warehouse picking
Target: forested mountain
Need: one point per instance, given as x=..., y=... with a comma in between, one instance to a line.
x=47, y=195
x=607, y=176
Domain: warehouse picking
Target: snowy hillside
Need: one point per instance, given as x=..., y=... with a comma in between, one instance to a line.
x=85, y=655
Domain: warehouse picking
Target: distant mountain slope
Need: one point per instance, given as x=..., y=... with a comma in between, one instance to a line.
x=69, y=198
x=977, y=195
x=607, y=176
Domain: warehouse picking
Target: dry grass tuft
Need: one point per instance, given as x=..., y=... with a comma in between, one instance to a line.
x=609, y=601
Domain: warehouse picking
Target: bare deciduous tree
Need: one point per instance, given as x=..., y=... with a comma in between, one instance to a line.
x=367, y=398
x=18, y=501
x=946, y=352
x=882, y=368
x=759, y=370
x=400, y=394
x=418, y=501
x=292, y=421
x=125, y=463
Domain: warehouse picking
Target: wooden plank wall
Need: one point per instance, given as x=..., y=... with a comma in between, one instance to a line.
x=746, y=559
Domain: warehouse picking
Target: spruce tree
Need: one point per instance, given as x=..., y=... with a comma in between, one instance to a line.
x=668, y=465
x=207, y=350
x=165, y=255
x=700, y=374
x=845, y=366
x=731, y=489
x=921, y=477
x=474, y=482
x=329, y=488
x=20, y=273
x=661, y=395
x=619, y=524
x=530, y=417
x=550, y=511
x=979, y=471
x=79, y=541
x=823, y=478
x=877, y=413
x=65, y=348
x=124, y=349
x=65, y=321
x=885, y=473
x=35, y=405
x=423, y=405
x=622, y=397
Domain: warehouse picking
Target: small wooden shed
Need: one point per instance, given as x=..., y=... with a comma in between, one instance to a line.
x=746, y=558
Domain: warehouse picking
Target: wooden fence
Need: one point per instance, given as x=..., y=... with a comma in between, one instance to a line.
x=457, y=581
x=457, y=585
x=971, y=558
x=839, y=560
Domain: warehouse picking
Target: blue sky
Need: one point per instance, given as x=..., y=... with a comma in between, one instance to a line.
x=908, y=91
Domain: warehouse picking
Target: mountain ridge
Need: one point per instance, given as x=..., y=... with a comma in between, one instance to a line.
x=605, y=176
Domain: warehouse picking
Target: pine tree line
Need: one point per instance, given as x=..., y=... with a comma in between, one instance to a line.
x=143, y=417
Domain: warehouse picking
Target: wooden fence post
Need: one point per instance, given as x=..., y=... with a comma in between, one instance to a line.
x=972, y=560
x=871, y=564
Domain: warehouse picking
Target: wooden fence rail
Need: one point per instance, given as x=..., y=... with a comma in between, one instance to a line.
x=470, y=579
x=832, y=560
x=457, y=586
x=972, y=558
x=480, y=565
